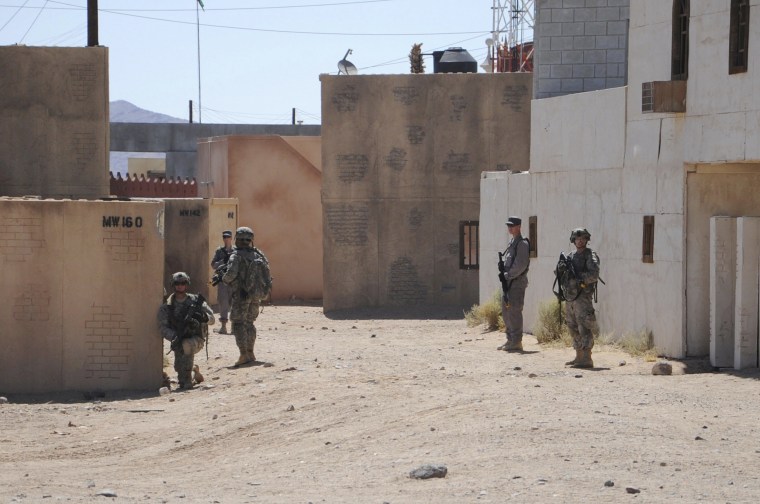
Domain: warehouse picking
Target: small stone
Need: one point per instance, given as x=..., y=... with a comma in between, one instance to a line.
x=3, y=400
x=662, y=368
x=429, y=471
x=632, y=490
x=517, y=368
x=532, y=375
x=699, y=438
x=291, y=408
x=622, y=363
x=107, y=492
x=609, y=483
x=163, y=391
x=214, y=417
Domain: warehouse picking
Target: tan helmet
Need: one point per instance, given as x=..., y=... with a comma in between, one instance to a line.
x=180, y=277
x=580, y=232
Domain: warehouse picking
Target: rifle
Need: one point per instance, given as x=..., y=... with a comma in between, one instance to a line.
x=505, y=284
x=218, y=274
x=195, y=316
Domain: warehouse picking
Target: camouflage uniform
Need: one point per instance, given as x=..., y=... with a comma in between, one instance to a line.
x=245, y=308
x=579, y=293
x=170, y=318
x=517, y=263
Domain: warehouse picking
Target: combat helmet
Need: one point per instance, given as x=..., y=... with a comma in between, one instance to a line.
x=580, y=232
x=243, y=237
x=180, y=277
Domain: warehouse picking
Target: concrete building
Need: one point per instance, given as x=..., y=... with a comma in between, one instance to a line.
x=277, y=181
x=54, y=127
x=402, y=157
x=648, y=169
x=579, y=45
x=81, y=289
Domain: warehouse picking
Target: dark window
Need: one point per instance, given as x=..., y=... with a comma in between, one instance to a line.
x=469, y=244
x=680, y=63
x=533, y=235
x=647, y=243
x=739, y=37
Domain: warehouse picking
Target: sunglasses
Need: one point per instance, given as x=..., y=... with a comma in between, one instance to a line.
x=180, y=283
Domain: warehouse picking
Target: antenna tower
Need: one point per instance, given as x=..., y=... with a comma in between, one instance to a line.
x=510, y=48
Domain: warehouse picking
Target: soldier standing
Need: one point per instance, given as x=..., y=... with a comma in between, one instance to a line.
x=513, y=274
x=183, y=319
x=224, y=293
x=241, y=277
x=579, y=280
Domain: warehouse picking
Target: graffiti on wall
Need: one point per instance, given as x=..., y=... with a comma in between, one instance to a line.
x=348, y=224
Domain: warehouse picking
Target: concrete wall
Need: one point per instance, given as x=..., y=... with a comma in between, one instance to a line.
x=402, y=157
x=580, y=178
x=277, y=181
x=580, y=45
x=54, y=127
x=81, y=289
x=193, y=232
x=179, y=141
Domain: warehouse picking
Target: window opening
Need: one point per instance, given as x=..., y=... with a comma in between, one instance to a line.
x=647, y=247
x=469, y=244
x=739, y=37
x=680, y=57
x=533, y=235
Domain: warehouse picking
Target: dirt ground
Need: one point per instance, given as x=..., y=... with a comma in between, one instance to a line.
x=342, y=408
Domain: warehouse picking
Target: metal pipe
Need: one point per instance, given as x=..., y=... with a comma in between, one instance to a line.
x=92, y=23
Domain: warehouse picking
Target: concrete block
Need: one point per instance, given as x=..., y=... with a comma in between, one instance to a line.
x=600, y=70
x=608, y=14
x=550, y=86
x=607, y=42
x=550, y=57
x=573, y=29
x=562, y=43
x=594, y=84
x=562, y=15
x=746, y=308
x=584, y=15
x=595, y=56
x=572, y=85
x=553, y=30
x=617, y=27
x=585, y=42
x=571, y=4
x=583, y=71
x=616, y=55
x=723, y=253
x=613, y=82
x=595, y=28
x=562, y=71
x=572, y=57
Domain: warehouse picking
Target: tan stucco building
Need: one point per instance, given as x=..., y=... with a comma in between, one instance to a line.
x=402, y=157
x=277, y=181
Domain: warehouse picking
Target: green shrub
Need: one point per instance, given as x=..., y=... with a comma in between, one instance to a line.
x=548, y=328
x=488, y=314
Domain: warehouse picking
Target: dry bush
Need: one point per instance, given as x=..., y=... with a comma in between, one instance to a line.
x=638, y=344
x=550, y=328
x=488, y=314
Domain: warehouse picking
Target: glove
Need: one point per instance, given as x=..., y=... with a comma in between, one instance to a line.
x=201, y=317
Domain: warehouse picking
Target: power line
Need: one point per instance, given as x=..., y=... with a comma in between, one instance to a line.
x=34, y=21
x=222, y=9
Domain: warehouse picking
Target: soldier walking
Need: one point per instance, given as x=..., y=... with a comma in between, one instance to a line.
x=223, y=291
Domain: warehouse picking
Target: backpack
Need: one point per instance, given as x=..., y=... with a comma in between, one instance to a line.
x=258, y=280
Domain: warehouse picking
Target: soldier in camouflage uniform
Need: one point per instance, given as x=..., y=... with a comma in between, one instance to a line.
x=245, y=308
x=224, y=294
x=579, y=285
x=186, y=334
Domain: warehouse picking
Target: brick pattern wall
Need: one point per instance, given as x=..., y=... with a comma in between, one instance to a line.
x=33, y=305
x=124, y=245
x=19, y=237
x=581, y=45
x=108, y=344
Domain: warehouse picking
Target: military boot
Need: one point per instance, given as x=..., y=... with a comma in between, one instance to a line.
x=197, y=376
x=223, y=330
x=577, y=358
x=243, y=359
x=513, y=346
x=584, y=360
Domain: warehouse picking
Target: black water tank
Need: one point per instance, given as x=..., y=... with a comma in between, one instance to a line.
x=454, y=60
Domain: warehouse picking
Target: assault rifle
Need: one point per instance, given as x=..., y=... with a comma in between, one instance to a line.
x=192, y=320
x=219, y=272
x=505, y=284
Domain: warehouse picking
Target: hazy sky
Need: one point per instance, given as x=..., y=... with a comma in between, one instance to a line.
x=258, y=58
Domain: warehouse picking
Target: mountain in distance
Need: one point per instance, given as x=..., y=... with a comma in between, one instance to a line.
x=123, y=111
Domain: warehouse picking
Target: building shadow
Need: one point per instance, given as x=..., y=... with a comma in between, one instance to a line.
x=398, y=313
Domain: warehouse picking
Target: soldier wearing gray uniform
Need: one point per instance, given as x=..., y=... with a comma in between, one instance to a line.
x=513, y=274
x=224, y=293
x=579, y=285
x=245, y=307
x=183, y=320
